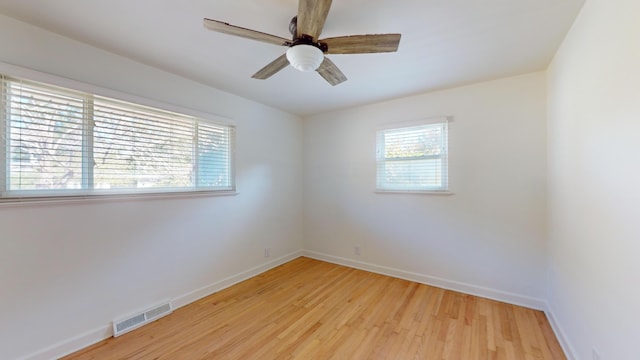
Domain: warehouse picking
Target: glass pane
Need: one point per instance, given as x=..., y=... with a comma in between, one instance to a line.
x=45, y=139
x=414, y=142
x=214, y=156
x=412, y=158
x=413, y=174
x=134, y=149
x=59, y=139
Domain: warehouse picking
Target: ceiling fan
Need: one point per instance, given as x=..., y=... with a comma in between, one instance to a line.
x=306, y=52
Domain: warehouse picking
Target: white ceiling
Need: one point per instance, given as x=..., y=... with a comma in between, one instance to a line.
x=444, y=43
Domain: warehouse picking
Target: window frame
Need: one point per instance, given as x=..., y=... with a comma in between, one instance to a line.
x=14, y=73
x=380, y=161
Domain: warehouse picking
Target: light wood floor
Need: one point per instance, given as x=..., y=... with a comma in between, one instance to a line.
x=308, y=309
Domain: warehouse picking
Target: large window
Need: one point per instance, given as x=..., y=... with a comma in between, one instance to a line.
x=413, y=158
x=58, y=142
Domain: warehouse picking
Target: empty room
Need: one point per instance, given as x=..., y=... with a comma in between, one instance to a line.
x=300, y=179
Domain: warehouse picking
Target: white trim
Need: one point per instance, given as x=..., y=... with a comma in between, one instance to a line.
x=81, y=341
x=411, y=123
x=61, y=200
x=91, y=337
x=5, y=148
x=400, y=131
x=72, y=345
x=489, y=293
x=198, y=294
x=34, y=75
x=561, y=335
x=87, y=122
x=414, y=192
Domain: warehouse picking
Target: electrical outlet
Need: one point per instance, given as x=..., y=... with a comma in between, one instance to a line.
x=595, y=354
x=356, y=250
x=267, y=252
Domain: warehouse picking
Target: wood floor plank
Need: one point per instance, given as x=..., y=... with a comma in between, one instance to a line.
x=309, y=309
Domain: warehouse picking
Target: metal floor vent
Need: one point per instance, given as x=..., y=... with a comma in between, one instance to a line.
x=135, y=321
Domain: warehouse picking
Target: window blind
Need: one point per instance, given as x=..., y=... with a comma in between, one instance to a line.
x=60, y=142
x=413, y=158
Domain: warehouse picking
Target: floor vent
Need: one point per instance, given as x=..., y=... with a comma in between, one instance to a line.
x=135, y=321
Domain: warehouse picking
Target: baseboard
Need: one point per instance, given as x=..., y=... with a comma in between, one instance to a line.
x=569, y=351
x=232, y=280
x=494, y=294
x=104, y=332
x=72, y=345
x=99, y=334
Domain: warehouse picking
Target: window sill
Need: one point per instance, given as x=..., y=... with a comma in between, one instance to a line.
x=93, y=198
x=415, y=192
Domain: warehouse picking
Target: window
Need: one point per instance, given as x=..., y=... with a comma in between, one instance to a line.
x=59, y=142
x=413, y=158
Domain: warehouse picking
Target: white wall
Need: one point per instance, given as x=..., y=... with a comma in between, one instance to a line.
x=594, y=177
x=487, y=238
x=68, y=269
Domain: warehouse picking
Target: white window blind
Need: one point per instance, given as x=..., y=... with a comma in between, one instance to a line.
x=413, y=158
x=57, y=142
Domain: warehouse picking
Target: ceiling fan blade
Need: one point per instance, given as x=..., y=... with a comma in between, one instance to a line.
x=311, y=17
x=272, y=68
x=330, y=72
x=223, y=27
x=362, y=44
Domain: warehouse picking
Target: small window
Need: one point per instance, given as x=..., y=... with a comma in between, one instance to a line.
x=413, y=158
x=58, y=142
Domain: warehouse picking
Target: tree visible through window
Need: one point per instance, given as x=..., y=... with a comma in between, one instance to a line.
x=413, y=158
x=61, y=142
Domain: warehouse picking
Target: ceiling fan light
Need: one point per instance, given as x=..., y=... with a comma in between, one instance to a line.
x=305, y=57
